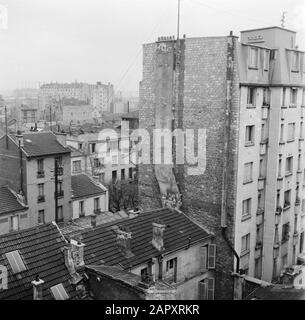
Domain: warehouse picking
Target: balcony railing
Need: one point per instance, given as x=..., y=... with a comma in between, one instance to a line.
x=60, y=171
x=40, y=174
x=41, y=199
x=59, y=194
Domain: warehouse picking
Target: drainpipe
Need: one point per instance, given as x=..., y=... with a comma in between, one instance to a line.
x=224, y=234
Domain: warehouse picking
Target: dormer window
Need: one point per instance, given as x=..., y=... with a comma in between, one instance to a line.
x=59, y=292
x=16, y=263
x=253, y=58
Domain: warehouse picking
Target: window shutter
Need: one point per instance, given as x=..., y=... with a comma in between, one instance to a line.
x=210, y=290
x=203, y=286
x=203, y=258
x=211, y=256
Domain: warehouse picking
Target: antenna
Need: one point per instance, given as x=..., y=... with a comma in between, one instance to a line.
x=178, y=22
x=283, y=19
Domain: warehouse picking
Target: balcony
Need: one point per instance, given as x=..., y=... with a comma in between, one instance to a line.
x=41, y=199
x=262, y=148
x=279, y=183
x=59, y=194
x=40, y=174
x=281, y=147
x=265, y=112
x=60, y=171
x=261, y=183
x=260, y=211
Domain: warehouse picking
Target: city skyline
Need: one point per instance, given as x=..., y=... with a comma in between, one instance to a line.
x=41, y=44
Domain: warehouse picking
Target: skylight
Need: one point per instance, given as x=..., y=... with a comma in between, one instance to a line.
x=15, y=261
x=59, y=292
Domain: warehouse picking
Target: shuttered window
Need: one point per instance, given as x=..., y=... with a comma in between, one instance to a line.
x=211, y=256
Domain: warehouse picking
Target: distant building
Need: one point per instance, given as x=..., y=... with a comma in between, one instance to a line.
x=14, y=214
x=77, y=114
x=27, y=166
x=102, y=98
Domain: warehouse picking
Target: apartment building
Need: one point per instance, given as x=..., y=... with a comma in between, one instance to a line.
x=102, y=98
x=29, y=165
x=247, y=94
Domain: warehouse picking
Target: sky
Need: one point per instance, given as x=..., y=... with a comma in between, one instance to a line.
x=101, y=40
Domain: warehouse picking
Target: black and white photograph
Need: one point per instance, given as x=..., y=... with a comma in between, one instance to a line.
x=152, y=151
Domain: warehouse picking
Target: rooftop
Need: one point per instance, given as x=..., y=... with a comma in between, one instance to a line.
x=9, y=202
x=40, y=251
x=83, y=186
x=101, y=244
x=277, y=293
x=267, y=28
x=45, y=143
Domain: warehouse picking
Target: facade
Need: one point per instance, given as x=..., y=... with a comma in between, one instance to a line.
x=13, y=212
x=30, y=172
x=234, y=90
x=77, y=114
x=88, y=196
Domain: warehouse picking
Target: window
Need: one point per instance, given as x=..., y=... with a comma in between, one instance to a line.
x=280, y=168
x=266, y=97
x=41, y=217
x=291, y=131
x=248, y=168
x=81, y=208
x=80, y=146
x=92, y=147
x=114, y=175
x=287, y=198
x=16, y=263
x=295, y=61
x=263, y=132
x=14, y=223
x=259, y=234
x=301, y=242
x=301, y=130
x=253, y=59
x=40, y=169
x=171, y=270
x=284, y=260
x=59, y=292
x=303, y=95
x=246, y=208
x=266, y=60
x=114, y=160
x=59, y=161
x=245, y=243
x=144, y=274
x=289, y=165
x=258, y=268
x=96, y=204
x=249, y=135
x=293, y=96
x=41, y=197
x=60, y=214
x=251, y=97
x=77, y=166
x=285, y=232
x=130, y=173
x=122, y=174
x=284, y=97
x=96, y=163
x=274, y=270
x=282, y=133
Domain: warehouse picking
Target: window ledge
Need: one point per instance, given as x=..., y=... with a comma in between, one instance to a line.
x=290, y=140
x=292, y=106
x=282, y=142
x=283, y=107
x=261, y=178
x=245, y=252
x=247, y=182
x=286, y=208
x=280, y=178
x=301, y=139
x=253, y=68
x=264, y=141
x=288, y=174
x=249, y=144
x=258, y=245
x=245, y=218
x=251, y=106
x=295, y=71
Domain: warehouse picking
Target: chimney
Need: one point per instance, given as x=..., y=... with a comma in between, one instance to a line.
x=61, y=138
x=93, y=220
x=123, y=240
x=77, y=253
x=67, y=250
x=37, y=288
x=19, y=137
x=158, y=231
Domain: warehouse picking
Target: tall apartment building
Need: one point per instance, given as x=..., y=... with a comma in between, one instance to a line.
x=248, y=95
x=27, y=166
x=102, y=98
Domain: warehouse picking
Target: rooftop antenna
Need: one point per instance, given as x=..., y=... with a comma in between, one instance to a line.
x=283, y=19
x=178, y=22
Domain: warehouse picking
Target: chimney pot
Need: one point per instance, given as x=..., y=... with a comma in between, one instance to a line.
x=77, y=251
x=93, y=220
x=37, y=288
x=123, y=239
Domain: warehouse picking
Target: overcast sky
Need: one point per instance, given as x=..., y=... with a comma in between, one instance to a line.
x=91, y=40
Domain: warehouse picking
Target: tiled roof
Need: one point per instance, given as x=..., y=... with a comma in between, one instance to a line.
x=100, y=243
x=9, y=202
x=277, y=293
x=42, y=144
x=40, y=249
x=83, y=186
